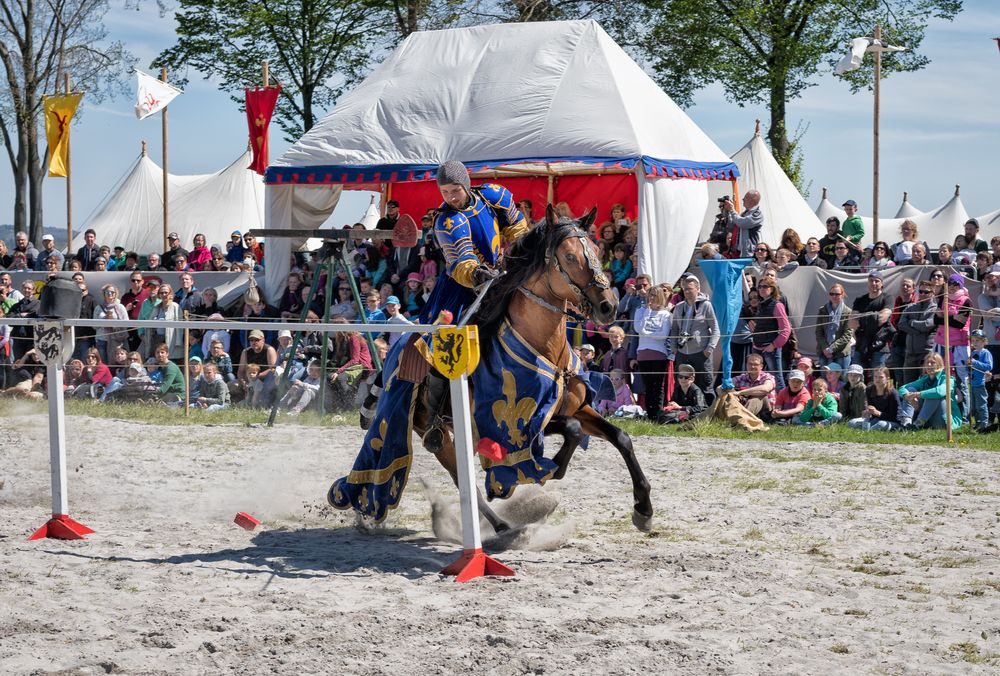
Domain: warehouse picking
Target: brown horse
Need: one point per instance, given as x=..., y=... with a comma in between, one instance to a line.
x=553, y=273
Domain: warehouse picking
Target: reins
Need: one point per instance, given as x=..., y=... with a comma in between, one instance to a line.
x=598, y=279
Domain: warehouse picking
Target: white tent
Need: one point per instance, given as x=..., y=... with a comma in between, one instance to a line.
x=934, y=227
x=781, y=202
x=907, y=210
x=211, y=204
x=541, y=99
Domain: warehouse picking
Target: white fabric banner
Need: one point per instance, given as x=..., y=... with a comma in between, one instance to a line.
x=670, y=215
x=292, y=207
x=153, y=95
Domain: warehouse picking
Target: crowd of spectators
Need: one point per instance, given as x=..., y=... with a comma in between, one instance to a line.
x=877, y=363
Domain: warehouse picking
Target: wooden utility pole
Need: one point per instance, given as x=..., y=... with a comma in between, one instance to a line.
x=69, y=185
x=166, y=210
x=878, y=77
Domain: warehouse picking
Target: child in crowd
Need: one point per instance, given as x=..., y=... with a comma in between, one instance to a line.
x=805, y=364
x=831, y=374
x=687, y=400
x=791, y=400
x=981, y=362
x=852, y=394
x=882, y=408
x=302, y=392
x=821, y=408
x=621, y=267
x=218, y=356
x=296, y=366
x=213, y=393
x=623, y=394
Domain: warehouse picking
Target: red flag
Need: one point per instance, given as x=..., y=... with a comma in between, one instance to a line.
x=260, y=107
x=998, y=42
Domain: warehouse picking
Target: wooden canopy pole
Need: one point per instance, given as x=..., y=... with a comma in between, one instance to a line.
x=875, y=139
x=266, y=77
x=69, y=186
x=947, y=368
x=166, y=210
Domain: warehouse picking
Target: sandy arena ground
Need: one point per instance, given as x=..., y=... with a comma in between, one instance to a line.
x=776, y=558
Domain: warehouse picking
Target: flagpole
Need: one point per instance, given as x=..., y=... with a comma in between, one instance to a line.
x=166, y=210
x=267, y=132
x=69, y=186
x=875, y=140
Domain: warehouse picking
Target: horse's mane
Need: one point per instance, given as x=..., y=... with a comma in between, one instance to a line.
x=524, y=260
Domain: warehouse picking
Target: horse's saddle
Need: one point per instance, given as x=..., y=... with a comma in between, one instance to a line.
x=413, y=362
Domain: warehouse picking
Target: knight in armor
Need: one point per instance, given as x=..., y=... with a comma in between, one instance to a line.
x=470, y=226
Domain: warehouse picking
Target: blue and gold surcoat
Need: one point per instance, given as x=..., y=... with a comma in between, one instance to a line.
x=471, y=237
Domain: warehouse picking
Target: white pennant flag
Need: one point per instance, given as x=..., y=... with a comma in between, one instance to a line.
x=852, y=60
x=153, y=95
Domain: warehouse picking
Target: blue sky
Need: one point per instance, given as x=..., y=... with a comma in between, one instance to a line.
x=939, y=126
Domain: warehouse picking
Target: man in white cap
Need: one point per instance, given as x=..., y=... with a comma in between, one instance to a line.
x=48, y=249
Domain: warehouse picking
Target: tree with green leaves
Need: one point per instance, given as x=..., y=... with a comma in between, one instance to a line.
x=39, y=42
x=315, y=49
x=770, y=51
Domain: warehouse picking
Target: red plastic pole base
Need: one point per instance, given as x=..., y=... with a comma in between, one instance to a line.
x=61, y=527
x=474, y=563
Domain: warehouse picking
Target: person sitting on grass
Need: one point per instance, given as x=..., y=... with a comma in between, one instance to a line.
x=821, y=408
x=623, y=394
x=32, y=388
x=687, y=400
x=831, y=374
x=755, y=388
x=852, y=394
x=172, y=385
x=303, y=391
x=217, y=355
x=882, y=407
x=213, y=393
x=791, y=400
x=928, y=391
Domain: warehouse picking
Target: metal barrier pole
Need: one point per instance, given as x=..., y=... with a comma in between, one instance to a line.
x=60, y=526
x=296, y=339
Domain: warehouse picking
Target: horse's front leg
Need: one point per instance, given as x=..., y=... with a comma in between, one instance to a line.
x=593, y=423
x=446, y=456
x=572, y=433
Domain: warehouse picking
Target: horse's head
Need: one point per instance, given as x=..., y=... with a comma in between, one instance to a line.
x=574, y=267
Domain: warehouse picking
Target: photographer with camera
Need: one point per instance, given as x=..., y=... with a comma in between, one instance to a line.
x=745, y=226
x=720, y=235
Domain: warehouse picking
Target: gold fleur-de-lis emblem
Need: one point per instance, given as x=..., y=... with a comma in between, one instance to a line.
x=495, y=486
x=511, y=411
x=394, y=488
x=379, y=441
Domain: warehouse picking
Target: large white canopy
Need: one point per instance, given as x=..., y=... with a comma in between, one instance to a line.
x=211, y=204
x=781, y=202
x=531, y=98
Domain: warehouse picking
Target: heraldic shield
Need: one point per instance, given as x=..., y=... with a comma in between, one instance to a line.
x=456, y=351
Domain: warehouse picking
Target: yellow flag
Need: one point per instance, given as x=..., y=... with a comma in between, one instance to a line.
x=59, y=112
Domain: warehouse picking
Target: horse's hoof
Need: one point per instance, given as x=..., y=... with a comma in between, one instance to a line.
x=364, y=423
x=642, y=522
x=433, y=440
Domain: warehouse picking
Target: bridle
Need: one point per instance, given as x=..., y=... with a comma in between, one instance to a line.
x=598, y=279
